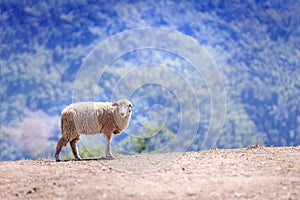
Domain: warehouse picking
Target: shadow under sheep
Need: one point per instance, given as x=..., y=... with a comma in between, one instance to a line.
x=86, y=159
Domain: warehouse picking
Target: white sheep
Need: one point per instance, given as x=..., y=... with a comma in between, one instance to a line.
x=92, y=118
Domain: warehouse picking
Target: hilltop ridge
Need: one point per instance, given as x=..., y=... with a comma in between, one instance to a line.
x=250, y=173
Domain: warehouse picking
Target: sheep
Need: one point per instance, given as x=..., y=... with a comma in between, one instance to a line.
x=91, y=118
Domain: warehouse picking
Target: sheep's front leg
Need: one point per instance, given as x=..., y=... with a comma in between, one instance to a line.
x=108, y=153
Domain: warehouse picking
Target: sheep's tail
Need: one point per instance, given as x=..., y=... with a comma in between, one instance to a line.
x=62, y=119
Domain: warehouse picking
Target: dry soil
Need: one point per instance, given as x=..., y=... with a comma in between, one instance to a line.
x=247, y=173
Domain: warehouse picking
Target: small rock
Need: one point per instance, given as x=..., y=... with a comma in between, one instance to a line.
x=255, y=146
x=190, y=193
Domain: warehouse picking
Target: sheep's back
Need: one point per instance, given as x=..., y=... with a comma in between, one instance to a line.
x=89, y=117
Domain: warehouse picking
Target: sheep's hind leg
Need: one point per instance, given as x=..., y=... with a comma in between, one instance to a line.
x=74, y=148
x=60, y=144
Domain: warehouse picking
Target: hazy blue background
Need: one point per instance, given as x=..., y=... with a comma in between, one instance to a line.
x=256, y=45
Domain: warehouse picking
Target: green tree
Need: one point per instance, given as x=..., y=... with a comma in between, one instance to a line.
x=151, y=139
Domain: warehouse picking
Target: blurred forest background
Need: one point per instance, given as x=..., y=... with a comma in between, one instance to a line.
x=254, y=43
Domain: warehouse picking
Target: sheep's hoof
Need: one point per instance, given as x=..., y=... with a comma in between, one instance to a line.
x=78, y=159
x=109, y=157
x=56, y=158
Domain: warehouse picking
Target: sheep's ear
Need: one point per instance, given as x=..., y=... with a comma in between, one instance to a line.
x=115, y=104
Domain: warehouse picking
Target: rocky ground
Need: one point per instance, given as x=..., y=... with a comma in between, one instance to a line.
x=247, y=173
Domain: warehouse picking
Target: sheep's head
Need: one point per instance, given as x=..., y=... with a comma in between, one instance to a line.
x=123, y=108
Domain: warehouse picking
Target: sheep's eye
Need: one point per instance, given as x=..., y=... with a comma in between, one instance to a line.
x=130, y=105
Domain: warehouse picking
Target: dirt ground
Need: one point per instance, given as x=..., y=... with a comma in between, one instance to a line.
x=248, y=173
